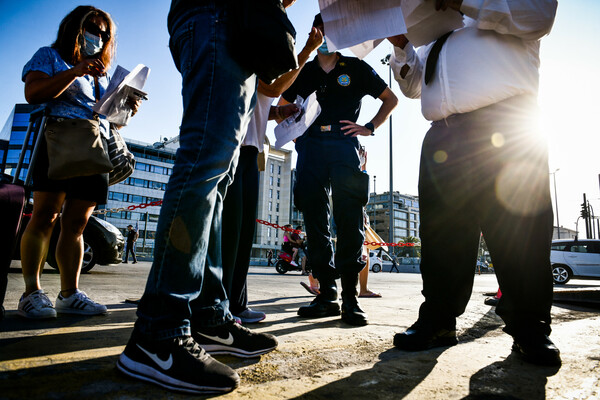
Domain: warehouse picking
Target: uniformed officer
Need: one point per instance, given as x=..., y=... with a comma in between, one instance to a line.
x=328, y=163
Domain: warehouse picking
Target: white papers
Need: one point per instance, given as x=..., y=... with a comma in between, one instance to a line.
x=123, y=84
x=295, y=125
x=352, y=22
x=425, y=24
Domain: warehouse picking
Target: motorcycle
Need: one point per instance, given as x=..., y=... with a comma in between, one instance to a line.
x=284, y=263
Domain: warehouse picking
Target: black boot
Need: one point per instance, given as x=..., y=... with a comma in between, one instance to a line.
x=324, y=305
x=351, y=312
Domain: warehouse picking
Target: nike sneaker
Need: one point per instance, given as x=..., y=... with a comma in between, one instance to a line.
x=177, y=364
x=233, y=339
x=249, y=316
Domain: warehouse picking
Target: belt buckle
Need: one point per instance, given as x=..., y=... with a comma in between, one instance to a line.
x=326, y=128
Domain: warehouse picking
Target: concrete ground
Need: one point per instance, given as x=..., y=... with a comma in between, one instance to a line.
x=74, y=357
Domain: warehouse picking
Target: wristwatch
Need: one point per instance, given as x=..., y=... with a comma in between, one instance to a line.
x=371, y=127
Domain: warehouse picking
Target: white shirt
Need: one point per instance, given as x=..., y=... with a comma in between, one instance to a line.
x=257, y=128
x=494, y=57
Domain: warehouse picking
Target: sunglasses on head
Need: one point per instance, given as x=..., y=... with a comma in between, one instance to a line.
x=95, y=30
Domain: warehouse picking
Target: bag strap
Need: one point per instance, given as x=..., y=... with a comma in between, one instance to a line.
x=96, y=95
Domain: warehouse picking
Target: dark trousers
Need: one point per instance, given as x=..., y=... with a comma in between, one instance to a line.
x=328, y=163
x=487, y=171
x=239, y=224
x=130, y=248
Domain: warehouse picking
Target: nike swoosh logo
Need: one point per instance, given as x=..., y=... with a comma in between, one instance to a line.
x=164, y=364
x=227, y=342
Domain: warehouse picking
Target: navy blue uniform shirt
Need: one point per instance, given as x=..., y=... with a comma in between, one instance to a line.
x=340, y=91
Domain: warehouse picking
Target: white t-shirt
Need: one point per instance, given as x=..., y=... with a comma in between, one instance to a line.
x=257, y=128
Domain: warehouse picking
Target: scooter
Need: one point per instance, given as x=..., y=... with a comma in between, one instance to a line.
x=284, y=263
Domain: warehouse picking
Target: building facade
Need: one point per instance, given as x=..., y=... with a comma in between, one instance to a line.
x=275, y=199
x=405, y=216
x=154, y=166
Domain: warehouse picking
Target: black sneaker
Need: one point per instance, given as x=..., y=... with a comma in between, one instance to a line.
x=233, y=339
x=177, y=364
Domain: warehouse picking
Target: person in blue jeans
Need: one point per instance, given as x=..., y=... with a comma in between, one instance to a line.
x=184, y=311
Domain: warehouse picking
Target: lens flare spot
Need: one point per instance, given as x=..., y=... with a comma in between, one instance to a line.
x=497, y=140
x=523, y=188
x=440, y=156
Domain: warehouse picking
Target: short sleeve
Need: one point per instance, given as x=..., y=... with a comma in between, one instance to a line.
x=43, y=60
x=372, y=82
x=302, y=85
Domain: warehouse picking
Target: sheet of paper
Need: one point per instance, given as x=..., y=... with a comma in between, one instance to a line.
x=352, y=22
x=122, y=85
x=424, y=24
x=295, y=125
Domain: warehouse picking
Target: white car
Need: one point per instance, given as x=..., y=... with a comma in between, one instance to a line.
x=575, y=259
x=375, y=263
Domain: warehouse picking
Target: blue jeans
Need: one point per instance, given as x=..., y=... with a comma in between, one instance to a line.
x=185, y=282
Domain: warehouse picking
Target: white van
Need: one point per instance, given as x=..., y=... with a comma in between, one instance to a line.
x=575, y=259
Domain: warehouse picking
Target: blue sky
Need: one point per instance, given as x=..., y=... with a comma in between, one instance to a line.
x=569, y=87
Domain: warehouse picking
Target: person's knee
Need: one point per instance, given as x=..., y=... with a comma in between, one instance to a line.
x=73, y=225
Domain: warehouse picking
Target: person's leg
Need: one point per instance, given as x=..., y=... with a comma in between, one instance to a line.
x=36, y=238
x=187, y=256
x=133, y=257
x=350, y=192
x=447, y=266
x=69, y=249
x=34, y=303
x=244, y=198
x=311, y=196
x=126, y=252
x=185, y=280
x=69, y=256
x=517, y=224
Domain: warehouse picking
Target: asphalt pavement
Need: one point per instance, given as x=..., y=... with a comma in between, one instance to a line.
x=74, y=357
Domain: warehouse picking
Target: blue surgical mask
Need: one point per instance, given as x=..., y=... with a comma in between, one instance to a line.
x=92, y=44
x=323, y=49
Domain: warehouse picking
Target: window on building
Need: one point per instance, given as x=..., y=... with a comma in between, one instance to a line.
x=278, y=182
x=270, y=206
x=270, y=193
x=269, y=219
x=271, y=168
x=269, y=232
x=279, y=169
x=271, y=180
x=277, y=207
x=278, y=194
x=277, y=219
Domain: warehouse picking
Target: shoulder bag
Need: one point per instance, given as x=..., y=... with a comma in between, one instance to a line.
x=76, y=147
x=122, y=160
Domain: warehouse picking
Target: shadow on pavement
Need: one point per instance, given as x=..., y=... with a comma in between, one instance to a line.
x=394, y=377
x=500, y=380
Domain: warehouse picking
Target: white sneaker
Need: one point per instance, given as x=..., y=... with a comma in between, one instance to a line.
x=294, y=263
x=79, y=303
x=36, y=305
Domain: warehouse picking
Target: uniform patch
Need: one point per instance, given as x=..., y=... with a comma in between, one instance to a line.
x=344, y=80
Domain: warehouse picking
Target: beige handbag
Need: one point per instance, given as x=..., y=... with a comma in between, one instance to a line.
x=76, y=148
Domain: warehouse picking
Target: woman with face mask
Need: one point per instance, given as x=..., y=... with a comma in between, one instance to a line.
x=67, y=78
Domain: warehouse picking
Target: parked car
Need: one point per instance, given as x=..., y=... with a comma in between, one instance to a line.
x=572, y=258
x=103, y=244
x=375, y=263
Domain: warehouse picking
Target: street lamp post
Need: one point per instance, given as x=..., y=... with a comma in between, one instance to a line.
x=556, y=200
x=374, y=194
x=386, y=61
